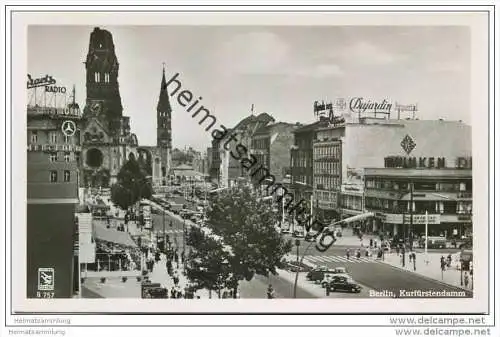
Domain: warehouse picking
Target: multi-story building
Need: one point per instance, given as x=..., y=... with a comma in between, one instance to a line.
x=271, y=146
x=427, y=148
x=327, y=169
x=400, y=196
x=302, y=161
x=224, y=166
x=53, y=160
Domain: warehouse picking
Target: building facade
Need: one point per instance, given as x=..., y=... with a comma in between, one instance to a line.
x=302, y=161
x=411, y=147
x=53, y=158
x=226, y=170
x=327, y=170
x=400, y=198
x=271, y=147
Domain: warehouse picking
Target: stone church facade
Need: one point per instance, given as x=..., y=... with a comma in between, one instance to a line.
x=106, y=138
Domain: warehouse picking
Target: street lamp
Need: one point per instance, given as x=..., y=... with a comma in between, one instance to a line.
x=297, y=244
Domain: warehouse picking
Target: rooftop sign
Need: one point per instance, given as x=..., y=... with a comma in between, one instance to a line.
x=40, y=82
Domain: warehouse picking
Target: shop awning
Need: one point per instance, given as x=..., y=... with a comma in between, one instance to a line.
x=113, y=236
x=431, y=196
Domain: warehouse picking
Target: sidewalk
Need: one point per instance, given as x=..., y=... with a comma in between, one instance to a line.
x=160, y=275
x=430, y=269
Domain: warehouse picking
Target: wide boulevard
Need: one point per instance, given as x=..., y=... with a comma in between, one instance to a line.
x=371, y=274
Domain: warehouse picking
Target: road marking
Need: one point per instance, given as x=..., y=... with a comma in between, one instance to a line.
x=334, y=258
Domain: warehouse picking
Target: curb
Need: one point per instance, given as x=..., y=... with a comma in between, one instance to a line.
x=427, y=277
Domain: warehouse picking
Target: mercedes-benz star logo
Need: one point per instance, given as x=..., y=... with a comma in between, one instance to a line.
x=68, y=128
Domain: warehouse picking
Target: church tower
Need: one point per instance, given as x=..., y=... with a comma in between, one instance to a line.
x=103, y=94
x=164, y=129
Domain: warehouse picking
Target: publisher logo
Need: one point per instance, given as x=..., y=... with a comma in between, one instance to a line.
x=46, y=279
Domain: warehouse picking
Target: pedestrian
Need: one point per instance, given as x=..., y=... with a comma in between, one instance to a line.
x=371, y=243
x=466, y=280
x=358, y=253
x=348, y=253
x=270, y=292
x=414, y=261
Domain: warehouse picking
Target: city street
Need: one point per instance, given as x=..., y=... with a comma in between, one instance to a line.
x=373, y=273
x=256, y=288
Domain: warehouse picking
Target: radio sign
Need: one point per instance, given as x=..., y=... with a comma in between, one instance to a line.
x=56, y=90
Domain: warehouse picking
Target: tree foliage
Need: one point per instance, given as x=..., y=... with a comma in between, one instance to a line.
x=248, y=226
x=207, y=262
x=132, y=185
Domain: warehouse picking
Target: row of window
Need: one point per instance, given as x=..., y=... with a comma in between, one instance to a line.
x=53, y=137
x=97, y=77
x=352, y=202
x=330, y=168
x=260, y=143
x=420, y=207
x=327, y=183
x=301, y=161
x=66, y=157
x=326, y=196
x=327, y=151
x=66, y=176
x=420, y=186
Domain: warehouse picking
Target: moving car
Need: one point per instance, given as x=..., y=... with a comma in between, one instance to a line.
x=317, y=274
x=331, y=273
x=436, y=242
x=343, y=283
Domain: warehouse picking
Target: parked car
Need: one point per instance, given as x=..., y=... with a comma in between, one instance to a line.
x=294, y=266
x=344, y=283
x=331, y=273
x=317, y=274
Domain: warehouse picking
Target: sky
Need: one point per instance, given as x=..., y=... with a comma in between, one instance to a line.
x=280, y=70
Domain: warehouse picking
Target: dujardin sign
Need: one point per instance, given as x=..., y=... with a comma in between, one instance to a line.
x=361, y=105
x=47, y=81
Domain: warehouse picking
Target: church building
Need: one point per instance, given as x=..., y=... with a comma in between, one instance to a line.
x=106, y=138
x=107, y=141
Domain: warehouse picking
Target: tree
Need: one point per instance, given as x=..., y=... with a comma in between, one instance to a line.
x=207, y=262
x=248, y=226
x=132, y=185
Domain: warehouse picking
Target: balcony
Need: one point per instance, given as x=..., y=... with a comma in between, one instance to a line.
x=54, y=147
